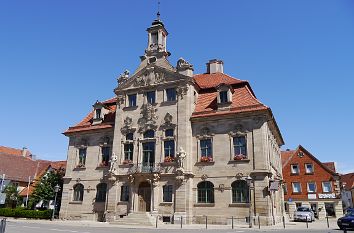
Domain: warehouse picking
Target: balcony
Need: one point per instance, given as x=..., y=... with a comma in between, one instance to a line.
x=145, y=168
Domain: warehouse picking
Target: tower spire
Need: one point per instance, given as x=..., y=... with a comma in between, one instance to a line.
x=158, y=10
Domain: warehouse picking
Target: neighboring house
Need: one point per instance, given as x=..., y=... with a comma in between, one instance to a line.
x=347, y=181
x=308, y=182
x=19, y=169
x=173, y=143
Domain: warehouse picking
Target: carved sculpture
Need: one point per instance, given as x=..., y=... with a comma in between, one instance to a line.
x=181, y=157
x=182, y=91
x=183, y=64
x=150, y=77
x=148, y=119
x=123, y=77
x=120, y=100
x=128, y=122
x=167, y=122
x=113, y=161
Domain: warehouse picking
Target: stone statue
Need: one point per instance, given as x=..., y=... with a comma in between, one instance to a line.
x=123, y=77
x=181, y=156
x=113, y=162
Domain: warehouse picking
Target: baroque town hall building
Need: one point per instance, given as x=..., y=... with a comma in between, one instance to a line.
x=175, y=144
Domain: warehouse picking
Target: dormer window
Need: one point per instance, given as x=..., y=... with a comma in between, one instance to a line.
x=98, y=113
x=224, y=96
x=100, y=110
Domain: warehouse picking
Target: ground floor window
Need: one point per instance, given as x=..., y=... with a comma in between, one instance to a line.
x=240, y=191
x=124, y=194
x=167, y=193
x=205, y=192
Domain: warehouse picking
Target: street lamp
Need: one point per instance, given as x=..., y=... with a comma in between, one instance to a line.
x=56, y=190
x=249, y=182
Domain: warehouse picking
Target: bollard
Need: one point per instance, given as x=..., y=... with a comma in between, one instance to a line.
x=206, y=222
x=181, y=221
x=232, y=222
x=345, y=230
x=307, y=223
x=156, y=221
x=2, y=225
x=284, y=222
x=259, y=222
x=327, y=222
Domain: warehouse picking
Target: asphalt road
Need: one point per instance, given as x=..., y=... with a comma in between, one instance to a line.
x=52, y=227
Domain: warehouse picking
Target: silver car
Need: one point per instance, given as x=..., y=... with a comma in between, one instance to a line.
x=303, y=213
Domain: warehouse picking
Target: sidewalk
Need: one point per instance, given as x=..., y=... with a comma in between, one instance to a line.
x=317, y=225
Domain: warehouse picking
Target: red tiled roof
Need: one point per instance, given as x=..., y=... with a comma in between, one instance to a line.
x=40, y=173
x=243, y=98
x=18, y=168
x=348, y=181
x=212, y=80
x=13, y=151
x=86, y=123
x=331, y=166
x=286, y=156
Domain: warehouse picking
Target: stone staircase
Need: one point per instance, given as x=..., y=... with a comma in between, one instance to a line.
x=138, y=218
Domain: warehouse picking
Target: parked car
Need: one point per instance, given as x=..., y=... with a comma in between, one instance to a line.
x=303, y=213
x=347, y=221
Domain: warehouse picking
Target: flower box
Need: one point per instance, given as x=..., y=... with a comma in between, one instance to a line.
x=127, y=161
x=80, y=165
x=169, y=159
x=206, y=159
x=103, y=164
x=239, y=157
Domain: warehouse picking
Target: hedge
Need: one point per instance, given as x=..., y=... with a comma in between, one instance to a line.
x=24, y=213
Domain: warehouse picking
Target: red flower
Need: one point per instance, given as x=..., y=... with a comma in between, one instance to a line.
x=206, y=159
x=169, y=159
x=127, y=161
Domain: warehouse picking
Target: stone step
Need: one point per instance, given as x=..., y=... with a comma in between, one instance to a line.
x=134, y=219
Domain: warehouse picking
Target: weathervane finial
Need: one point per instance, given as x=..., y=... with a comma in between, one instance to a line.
x=158, y=10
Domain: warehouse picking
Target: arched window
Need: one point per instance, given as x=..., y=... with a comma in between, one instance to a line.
x=78, y=192
x=149, y=134
x=240, y=192
x=205, y=192
x=101, y=192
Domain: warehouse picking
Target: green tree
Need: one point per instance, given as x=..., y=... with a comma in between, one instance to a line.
x=12, y=196
x=44, y=189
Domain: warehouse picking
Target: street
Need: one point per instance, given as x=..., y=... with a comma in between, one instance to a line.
x=14, y=226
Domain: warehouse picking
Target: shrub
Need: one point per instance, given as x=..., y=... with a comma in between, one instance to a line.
x=24, y=213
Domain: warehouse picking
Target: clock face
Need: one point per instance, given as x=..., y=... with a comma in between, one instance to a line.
x=300, y=154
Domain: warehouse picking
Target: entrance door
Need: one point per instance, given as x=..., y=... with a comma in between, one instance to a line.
x=314, y=209
x=144, y=194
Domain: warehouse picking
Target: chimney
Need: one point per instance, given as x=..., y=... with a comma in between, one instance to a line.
x=24, y=151
x=215, y=66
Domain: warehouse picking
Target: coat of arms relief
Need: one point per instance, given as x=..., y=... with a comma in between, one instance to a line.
x=148, y=118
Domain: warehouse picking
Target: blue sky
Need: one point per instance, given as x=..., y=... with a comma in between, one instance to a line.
x=58, y=57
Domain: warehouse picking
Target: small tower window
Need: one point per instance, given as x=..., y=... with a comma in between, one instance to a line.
x=154, y=38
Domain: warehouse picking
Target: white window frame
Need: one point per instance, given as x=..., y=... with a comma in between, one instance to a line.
x=292, y=184
x=292, y=169
x=312, y=168
x=330, y=183
x=308, y=187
